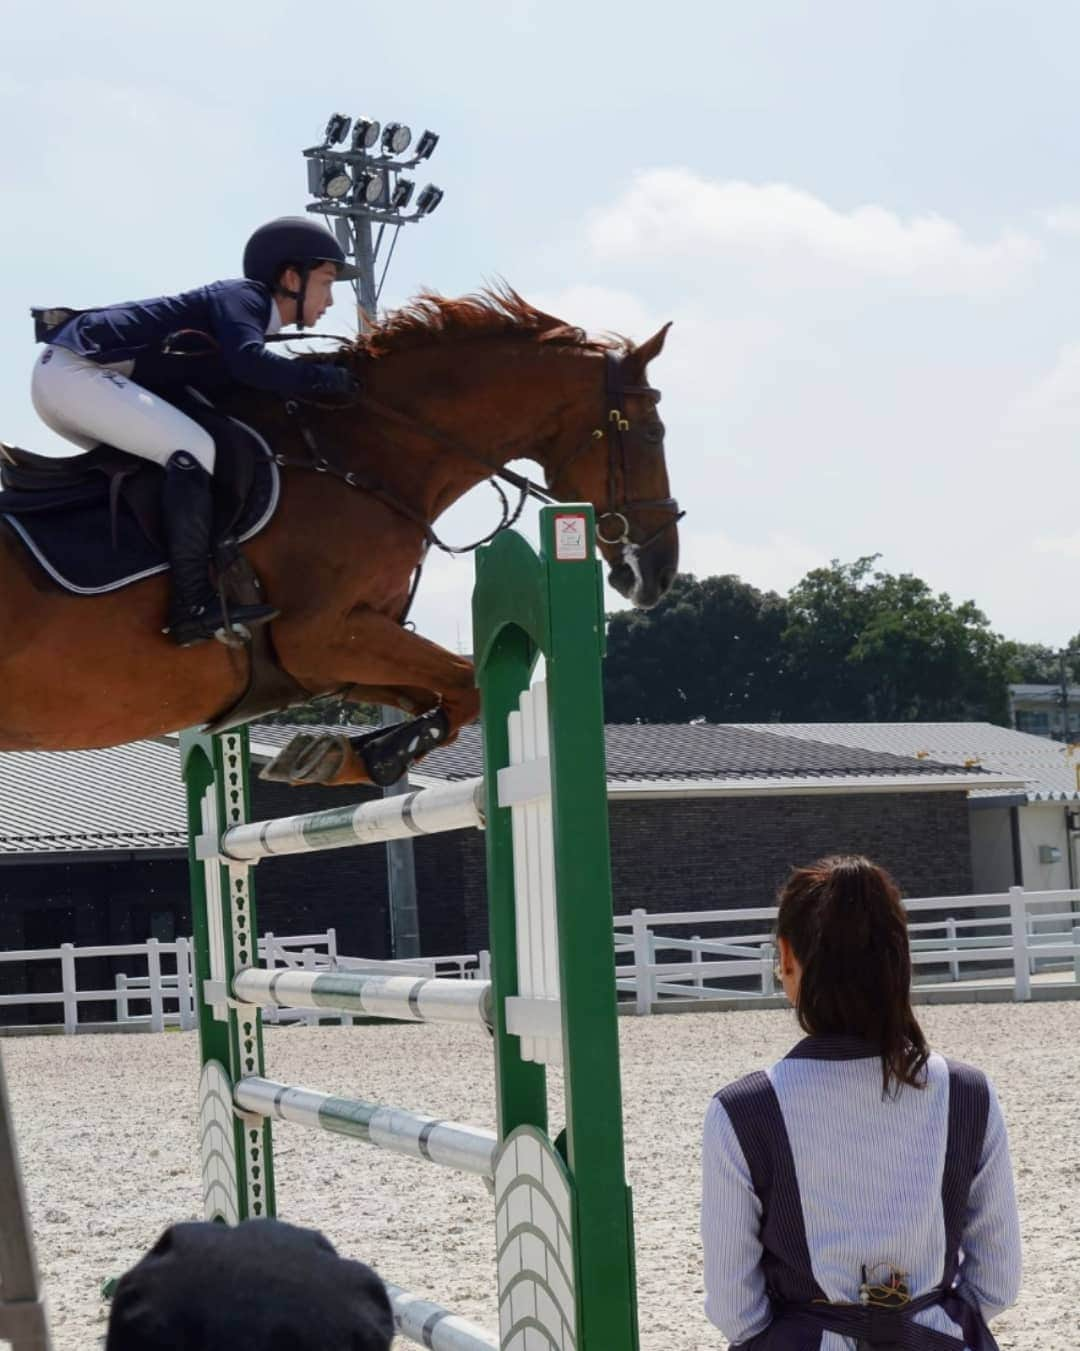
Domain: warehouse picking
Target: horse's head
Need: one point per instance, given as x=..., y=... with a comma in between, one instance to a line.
x=621, y=470
x=473, y=379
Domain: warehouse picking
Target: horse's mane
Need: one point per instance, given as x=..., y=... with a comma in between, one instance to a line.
x=496, y=311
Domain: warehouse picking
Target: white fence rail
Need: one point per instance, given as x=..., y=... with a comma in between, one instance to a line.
x=164, y=996
x=1028, y=933
x=1033, y=934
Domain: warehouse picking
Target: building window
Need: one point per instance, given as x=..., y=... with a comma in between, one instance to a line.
x=1036, y=723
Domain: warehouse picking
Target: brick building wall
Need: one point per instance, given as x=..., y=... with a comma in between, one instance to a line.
x=728, y=853
x=90, y=901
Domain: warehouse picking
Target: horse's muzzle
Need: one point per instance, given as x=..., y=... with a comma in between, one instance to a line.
x=644, y=576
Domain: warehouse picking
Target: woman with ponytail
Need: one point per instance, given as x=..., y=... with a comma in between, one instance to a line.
x=858, y=1193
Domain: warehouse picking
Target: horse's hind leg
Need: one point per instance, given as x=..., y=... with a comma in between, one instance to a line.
x=381, y=659
x=318, y=757
x=381, y=755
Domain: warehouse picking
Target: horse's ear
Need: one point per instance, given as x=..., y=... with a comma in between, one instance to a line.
x=650, y=349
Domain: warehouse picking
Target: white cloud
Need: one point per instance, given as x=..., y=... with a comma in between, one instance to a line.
x=1047, y=409
x=600, y=309
x=668, y=213
x=773, y=563
x=1063, y=219
x=1063, y=546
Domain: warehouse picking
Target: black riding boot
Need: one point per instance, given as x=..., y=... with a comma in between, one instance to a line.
x=195, y=611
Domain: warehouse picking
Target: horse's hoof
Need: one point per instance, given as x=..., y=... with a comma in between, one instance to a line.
x=307, y=759
x=323, y=760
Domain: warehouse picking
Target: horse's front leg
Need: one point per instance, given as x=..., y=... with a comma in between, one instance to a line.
x=374, y=655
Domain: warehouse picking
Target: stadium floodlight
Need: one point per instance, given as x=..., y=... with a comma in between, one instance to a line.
x=335, y=181
x=425, y=146
x=402, y=193
x=429, y=199
x=365, y=133
x=396, y=137
x=337, y=129
x=372, y=186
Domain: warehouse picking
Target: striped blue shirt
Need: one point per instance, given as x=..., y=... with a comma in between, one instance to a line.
x=869, y=1174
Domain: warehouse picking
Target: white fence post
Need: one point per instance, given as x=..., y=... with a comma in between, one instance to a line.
x=698, y=964
x=1018, y=923
x=153, y=971
x=68, y=987
x=644, y=980
x=185, y=995
x=950, y=940
x=121, y=998
x=768, y=968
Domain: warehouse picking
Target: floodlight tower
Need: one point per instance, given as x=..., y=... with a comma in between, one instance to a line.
x=358, y=179
x=358, y=176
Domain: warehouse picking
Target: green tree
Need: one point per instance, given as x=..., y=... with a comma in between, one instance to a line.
x=851, y=643
x=1039, y=664
x=327, y=712
x=866, y=645
x=710, y=649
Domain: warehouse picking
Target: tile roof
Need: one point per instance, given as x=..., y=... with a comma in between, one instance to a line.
x=1049, y=770
x=708, y=757
x=129, y=797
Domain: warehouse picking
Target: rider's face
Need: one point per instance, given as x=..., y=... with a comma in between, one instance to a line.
x=319, y=292
x=317, y=298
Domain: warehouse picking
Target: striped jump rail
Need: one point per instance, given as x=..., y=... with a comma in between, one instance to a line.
x=426, y=811
x=469, y=1148
x=408, y=999
x=430, y=1325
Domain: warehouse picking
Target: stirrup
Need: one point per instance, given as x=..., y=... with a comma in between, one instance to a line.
x=233, y=628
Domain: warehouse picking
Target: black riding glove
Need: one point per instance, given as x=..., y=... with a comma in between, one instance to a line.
x=335, y=382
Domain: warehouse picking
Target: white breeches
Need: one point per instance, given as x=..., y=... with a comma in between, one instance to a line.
x=87, y=403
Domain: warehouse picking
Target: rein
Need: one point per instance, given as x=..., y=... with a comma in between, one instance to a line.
x=615, y=429
x=321, y=465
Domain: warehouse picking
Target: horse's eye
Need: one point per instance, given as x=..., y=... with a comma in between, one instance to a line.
x=654, y=432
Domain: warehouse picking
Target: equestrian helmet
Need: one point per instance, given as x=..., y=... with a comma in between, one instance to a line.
x=295, y=240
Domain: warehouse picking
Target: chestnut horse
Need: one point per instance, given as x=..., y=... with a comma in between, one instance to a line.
x=452, y=388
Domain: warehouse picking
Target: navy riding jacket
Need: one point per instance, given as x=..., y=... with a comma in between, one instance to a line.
x=208, y=338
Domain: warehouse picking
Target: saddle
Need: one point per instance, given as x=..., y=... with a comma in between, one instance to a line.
x=37, y=489
x=93, y=522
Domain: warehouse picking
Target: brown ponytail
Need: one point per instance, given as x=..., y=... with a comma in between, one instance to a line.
x=848, y=931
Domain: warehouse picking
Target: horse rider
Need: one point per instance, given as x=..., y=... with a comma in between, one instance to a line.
x=109, y=375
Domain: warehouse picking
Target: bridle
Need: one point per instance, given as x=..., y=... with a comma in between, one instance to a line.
x=616, y=430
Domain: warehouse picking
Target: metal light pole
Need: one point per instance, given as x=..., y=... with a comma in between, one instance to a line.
x=364, y=190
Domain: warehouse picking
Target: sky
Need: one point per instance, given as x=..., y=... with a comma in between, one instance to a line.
x=862, y=217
